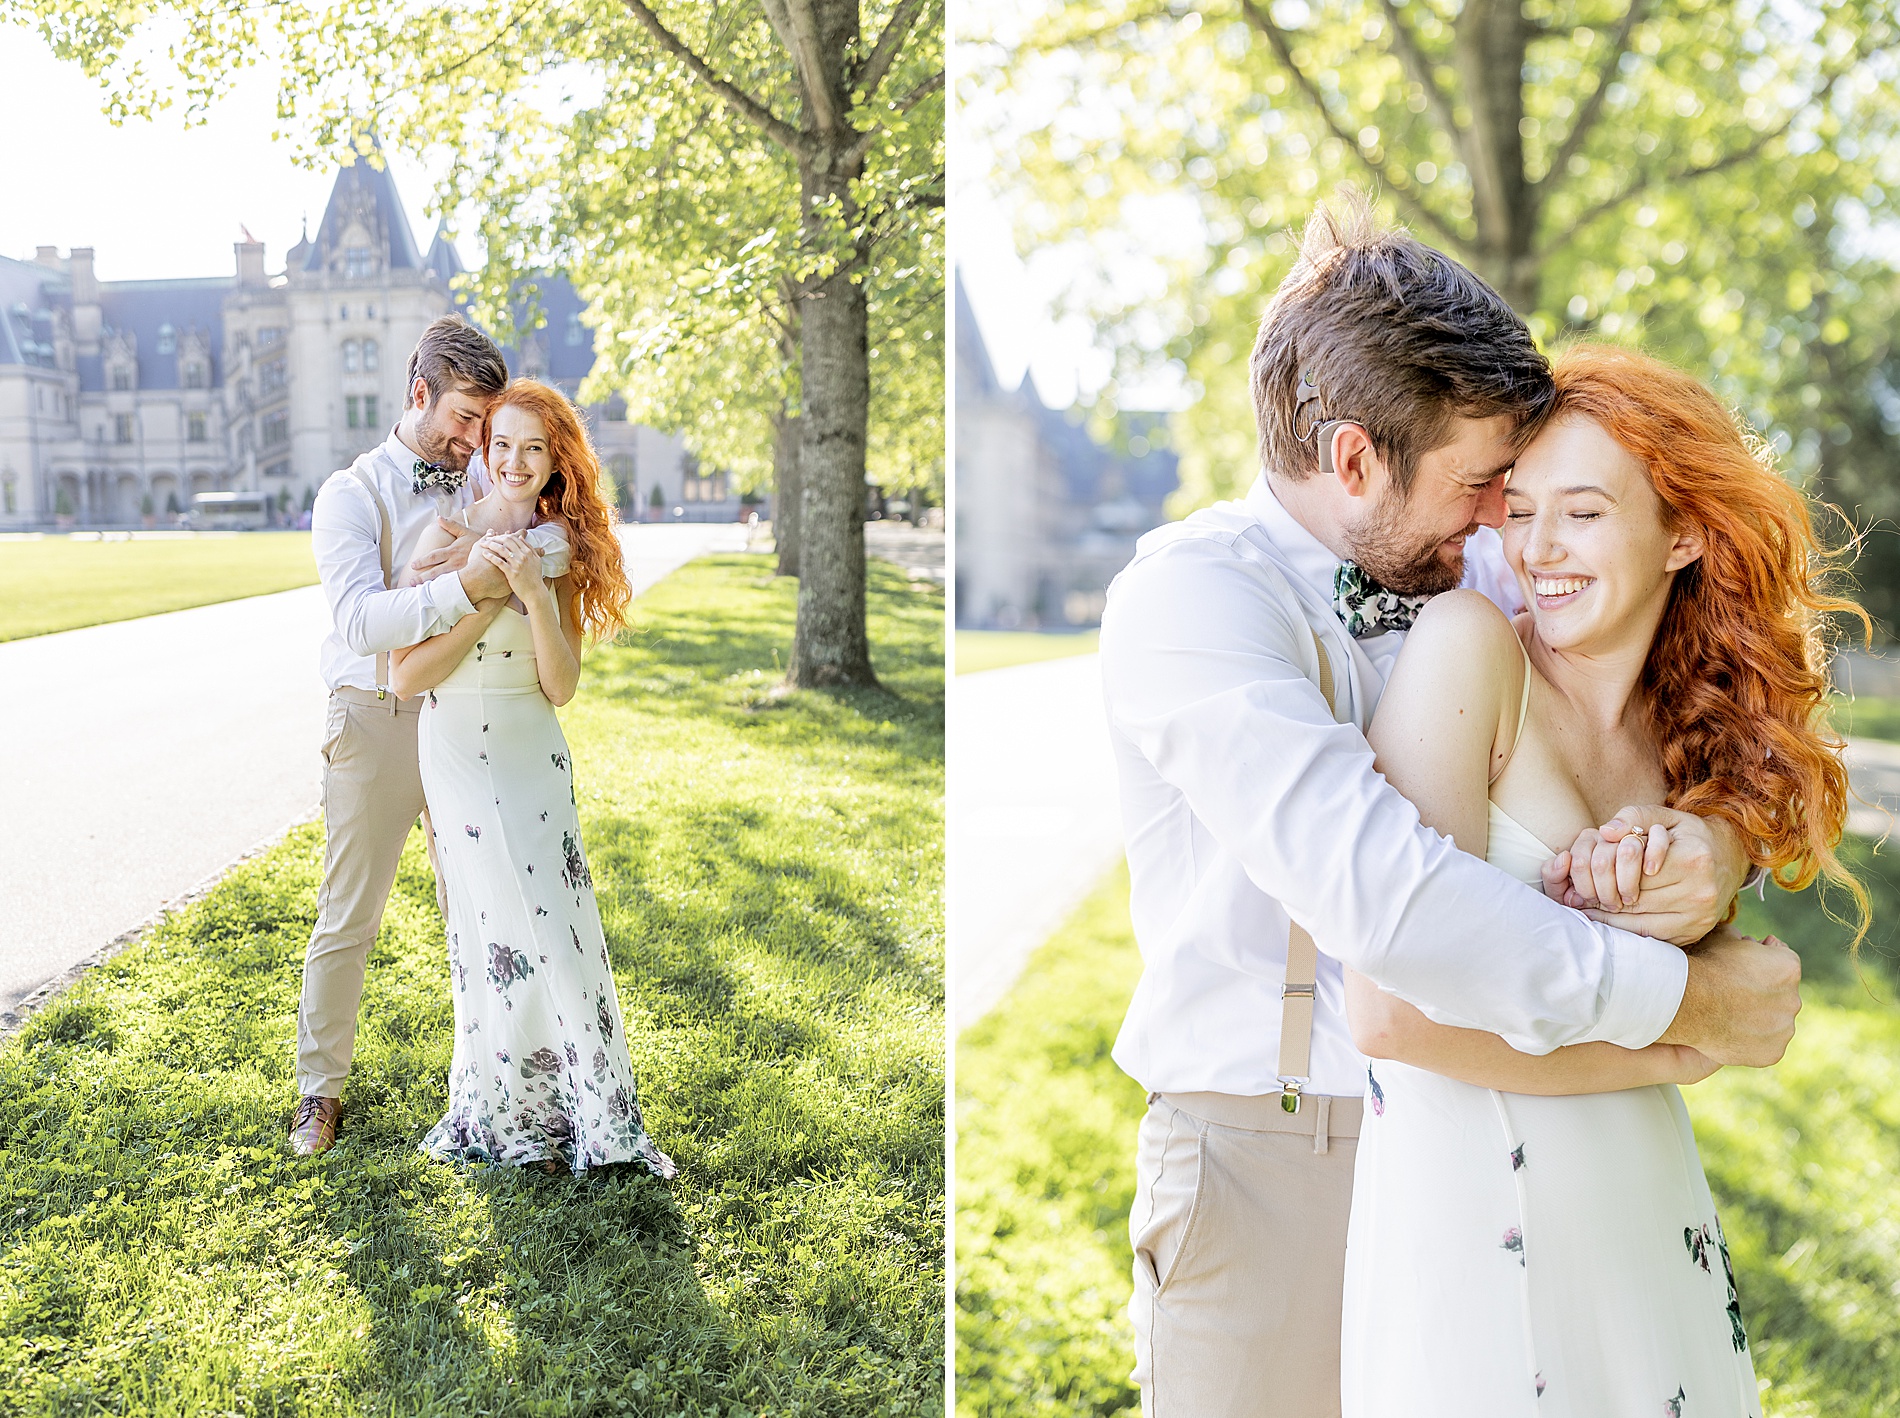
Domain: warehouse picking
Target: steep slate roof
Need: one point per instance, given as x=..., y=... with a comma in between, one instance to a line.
x=378, y=185
x=26, y=317
x=144, y=308
x=443, y=258
x=975, y=373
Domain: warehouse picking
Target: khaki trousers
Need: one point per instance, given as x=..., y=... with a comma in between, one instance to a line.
x=372, y=794
x=1239, y=1231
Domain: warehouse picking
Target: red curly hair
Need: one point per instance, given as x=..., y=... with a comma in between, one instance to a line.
x=1736, y=680
x=601, y=591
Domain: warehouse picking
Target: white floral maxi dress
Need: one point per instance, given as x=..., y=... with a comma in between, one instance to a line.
x=541, y=1068
x=1525, y=1257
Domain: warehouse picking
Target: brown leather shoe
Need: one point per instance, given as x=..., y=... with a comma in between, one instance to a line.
x=313, y=1130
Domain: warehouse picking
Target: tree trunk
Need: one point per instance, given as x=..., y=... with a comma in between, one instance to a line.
x=786, y=496
x=1488, y=52
x=829, y=646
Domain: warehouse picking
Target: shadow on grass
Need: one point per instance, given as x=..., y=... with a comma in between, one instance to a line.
x=779, y=963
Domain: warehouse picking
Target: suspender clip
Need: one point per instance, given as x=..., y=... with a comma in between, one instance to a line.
x=1296, y=992
x=1290, y=1095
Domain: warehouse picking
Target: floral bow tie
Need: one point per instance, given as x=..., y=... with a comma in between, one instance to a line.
x=1367, y=607
x=430, y=475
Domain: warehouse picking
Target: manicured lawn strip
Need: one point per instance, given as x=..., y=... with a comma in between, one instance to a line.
x=1045, y=1179
x=1804, y=1160
x=769, y=870
x=61, y=584
x=998, y=649
x=1867, y=716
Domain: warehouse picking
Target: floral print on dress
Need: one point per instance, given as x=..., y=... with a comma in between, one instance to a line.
x=1514, y=1243
x=1378, y=1095
x=1517, y=1158
x=575, y=872
x=1672, y=1407
x=541, y=1068
x=1707, y=1239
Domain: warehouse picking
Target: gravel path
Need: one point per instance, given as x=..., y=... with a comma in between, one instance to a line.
x=141, y=759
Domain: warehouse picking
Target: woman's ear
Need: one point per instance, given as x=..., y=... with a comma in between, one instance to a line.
x=1686, y=550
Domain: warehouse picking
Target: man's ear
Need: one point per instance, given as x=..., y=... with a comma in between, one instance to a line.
x=418, y=393
x=1356, y=463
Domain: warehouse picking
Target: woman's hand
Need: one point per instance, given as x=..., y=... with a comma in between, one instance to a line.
x=519, y=560
x=1651, y=870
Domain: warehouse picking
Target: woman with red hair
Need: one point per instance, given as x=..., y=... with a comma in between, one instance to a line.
x=541, y=1073
x=1534, y=1235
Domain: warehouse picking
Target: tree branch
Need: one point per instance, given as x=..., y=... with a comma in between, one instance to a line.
x=885, y=54
x=1690, y=174
x=739, y=102
x=1415, y=63
x=903, y=105
x=797, y=28
x=1593, y=106
x=1401, y=187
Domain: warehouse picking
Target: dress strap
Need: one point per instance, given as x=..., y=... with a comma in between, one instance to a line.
x=1523, y=708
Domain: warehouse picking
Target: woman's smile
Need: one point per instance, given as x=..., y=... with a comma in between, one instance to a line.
x=1554, y=591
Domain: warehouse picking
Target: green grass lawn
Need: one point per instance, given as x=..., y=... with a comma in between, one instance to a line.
x=1804, y=1160
x=1867, y=717
x=998, y=649
x=57, y=583
x=768, y=867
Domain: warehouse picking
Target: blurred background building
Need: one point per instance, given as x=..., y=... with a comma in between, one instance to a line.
x=123, y=401
x=1046, y=514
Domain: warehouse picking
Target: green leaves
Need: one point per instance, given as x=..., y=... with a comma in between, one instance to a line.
x=1697, y=178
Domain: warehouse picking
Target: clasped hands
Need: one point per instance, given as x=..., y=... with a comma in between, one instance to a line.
x=492, y=565
x=1671, y=875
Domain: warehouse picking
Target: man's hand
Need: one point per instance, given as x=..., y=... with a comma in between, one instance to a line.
x=1740, y=1001
x=452, y=557
x=1652, y=870
x=483, y=578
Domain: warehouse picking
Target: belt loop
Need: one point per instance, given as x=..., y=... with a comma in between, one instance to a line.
x=1322, y=1119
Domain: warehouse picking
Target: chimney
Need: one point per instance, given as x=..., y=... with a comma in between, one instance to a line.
x=86, y=313
x=46, y=256
x=250, y=261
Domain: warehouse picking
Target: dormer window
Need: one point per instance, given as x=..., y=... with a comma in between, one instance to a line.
x=576, y=331
x=194, y=375
x=121, y=379
x=167, y=339
x=358, y=263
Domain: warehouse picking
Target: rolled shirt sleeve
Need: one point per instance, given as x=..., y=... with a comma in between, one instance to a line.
x=1224, y=709
x=345, y=537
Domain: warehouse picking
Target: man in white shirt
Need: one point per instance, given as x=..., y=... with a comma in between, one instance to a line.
x=364, y=528
x=1243, y=653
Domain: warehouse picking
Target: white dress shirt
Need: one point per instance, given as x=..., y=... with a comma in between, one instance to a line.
x=346, y=537
x=1244, y=803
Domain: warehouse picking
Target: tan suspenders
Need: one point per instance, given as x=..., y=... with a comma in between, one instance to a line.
x=1302, y=966
x=388, y=550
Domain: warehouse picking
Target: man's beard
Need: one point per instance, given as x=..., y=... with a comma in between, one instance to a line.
x=1386, y=548
x=437, y=446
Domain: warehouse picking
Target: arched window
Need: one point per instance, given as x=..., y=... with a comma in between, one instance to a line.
x=369, y=355
x=349, y=356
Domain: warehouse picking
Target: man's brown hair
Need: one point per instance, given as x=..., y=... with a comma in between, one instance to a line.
x=1392, y=335
x=453, y=354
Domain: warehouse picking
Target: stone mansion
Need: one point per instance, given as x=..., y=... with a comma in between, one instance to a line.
x=122, y=400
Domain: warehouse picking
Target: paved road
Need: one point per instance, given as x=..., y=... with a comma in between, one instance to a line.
x=139, y=760
x=1035, y=822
